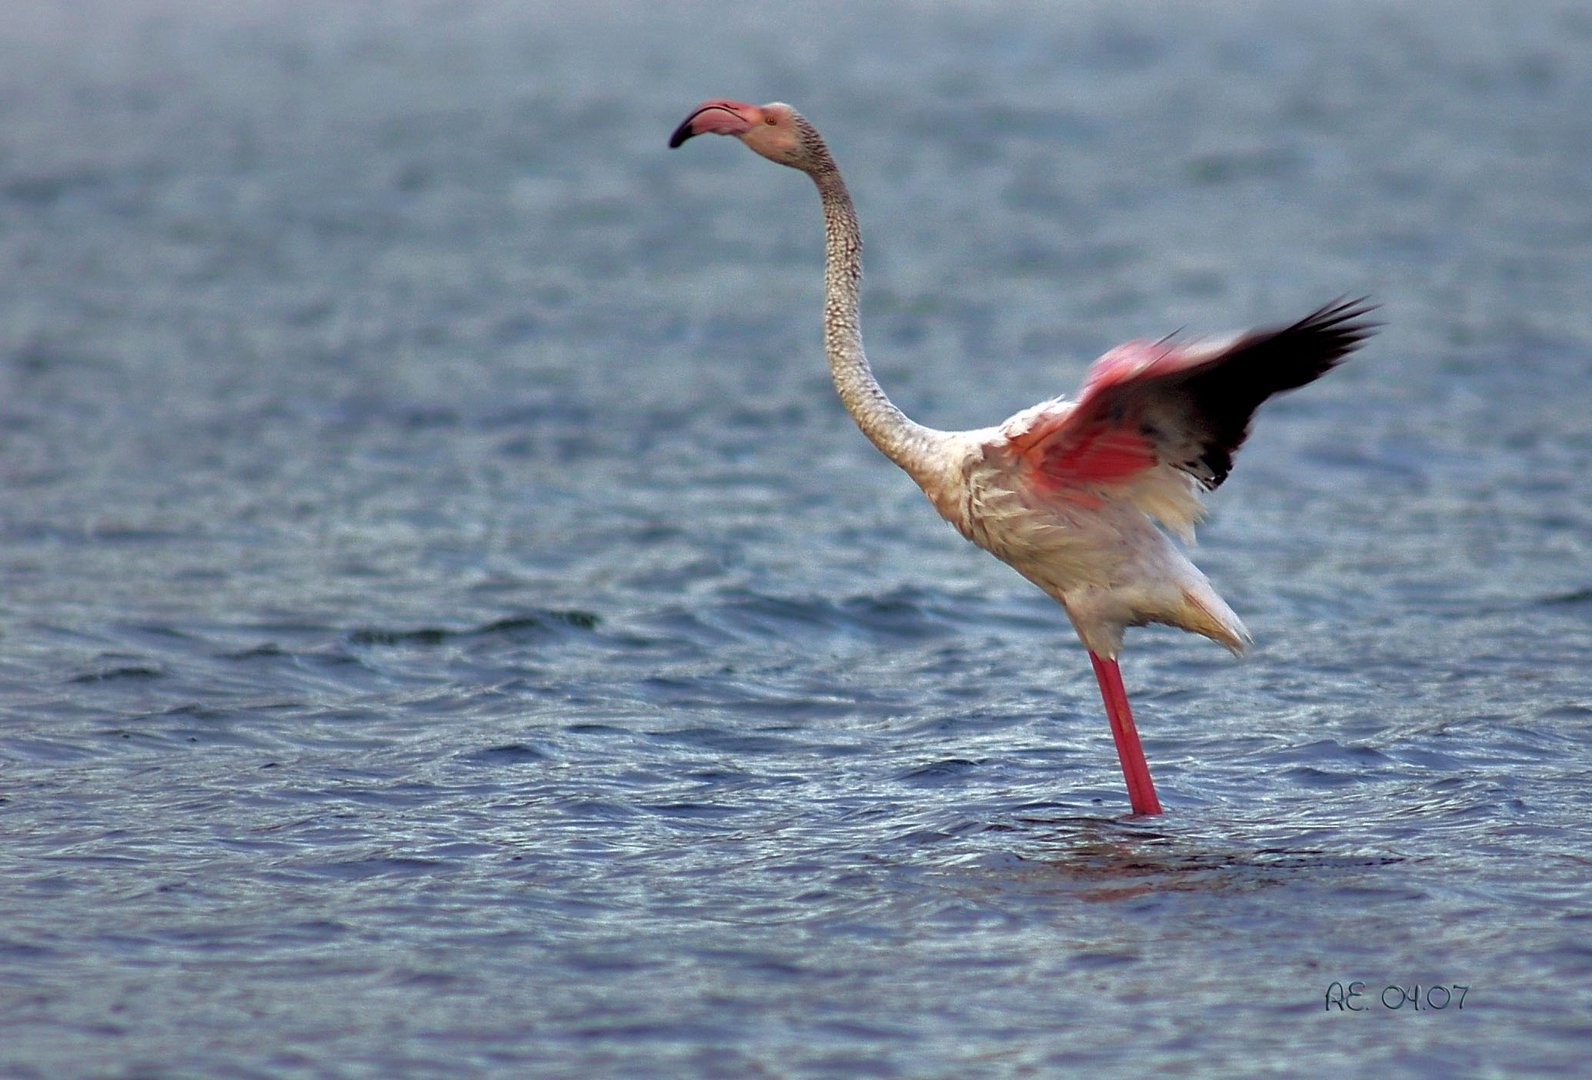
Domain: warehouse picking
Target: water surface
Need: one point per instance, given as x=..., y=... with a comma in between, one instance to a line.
x=449, y=627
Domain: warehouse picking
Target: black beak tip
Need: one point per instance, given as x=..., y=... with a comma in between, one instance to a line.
x=681, y=134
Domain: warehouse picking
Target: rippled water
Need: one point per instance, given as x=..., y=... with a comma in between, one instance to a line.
x=450, y=628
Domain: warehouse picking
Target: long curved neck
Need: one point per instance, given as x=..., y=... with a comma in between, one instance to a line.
x=900, y=439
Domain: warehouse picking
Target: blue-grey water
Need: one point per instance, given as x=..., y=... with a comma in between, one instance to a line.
x=448, y=626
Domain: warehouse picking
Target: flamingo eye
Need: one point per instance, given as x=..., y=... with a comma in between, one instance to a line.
x=770, y=120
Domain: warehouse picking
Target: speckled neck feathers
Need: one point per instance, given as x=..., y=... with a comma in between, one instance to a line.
x=902, y=440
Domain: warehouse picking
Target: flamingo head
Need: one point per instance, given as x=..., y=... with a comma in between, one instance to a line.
x=775, y=130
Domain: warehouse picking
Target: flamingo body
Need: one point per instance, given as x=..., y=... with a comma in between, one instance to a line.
x=1077, y=496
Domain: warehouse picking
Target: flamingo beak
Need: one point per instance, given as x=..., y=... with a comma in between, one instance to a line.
x=683, y=132
x=715, y=117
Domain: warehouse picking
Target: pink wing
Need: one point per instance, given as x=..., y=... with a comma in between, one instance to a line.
x=1145, y=404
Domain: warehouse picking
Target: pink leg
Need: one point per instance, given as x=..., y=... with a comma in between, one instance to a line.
x=1141, y=792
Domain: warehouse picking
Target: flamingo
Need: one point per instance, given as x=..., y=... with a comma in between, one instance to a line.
x=1076, y=496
